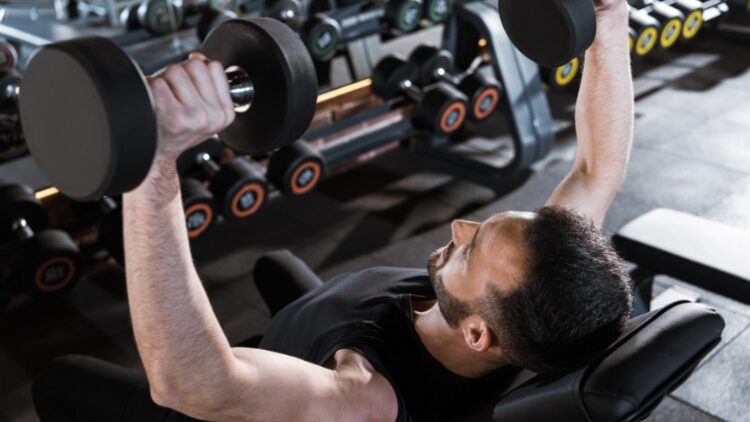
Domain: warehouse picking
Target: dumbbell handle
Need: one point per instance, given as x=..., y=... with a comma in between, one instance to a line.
x=208, y=165
x=442, y=74
x=412, y=91
x=241, y=88
x=22, y=229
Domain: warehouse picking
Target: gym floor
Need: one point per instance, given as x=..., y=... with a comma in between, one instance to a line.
x=692, y=153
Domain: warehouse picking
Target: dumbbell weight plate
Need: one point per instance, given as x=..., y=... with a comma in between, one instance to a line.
x=549, y=32
x=90, y=124
x=438, y=10
x=442, y=110
x=49, y=264
x=296, y=169
x=322, y=35
x=241, y=189
x=483, y=93
x=284, y=77
x=428, y=60
x=388, y=75
x=199, y=205
x=160, y=16
x=129, y=16
x=404, y=15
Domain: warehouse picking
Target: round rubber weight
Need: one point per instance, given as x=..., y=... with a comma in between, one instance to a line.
x=549, y=32
x=88, y=118
x=50, y=263
x=443, y=110
x=241, y=189
x=484, y=93
x=286, y=86
x=388, y=75
x=199, y=205
x=322, y=35
x=296, y=169
x=429, y=59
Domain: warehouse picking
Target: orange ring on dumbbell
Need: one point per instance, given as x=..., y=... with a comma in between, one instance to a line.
x=259, y=194
x=39, y=275
x=207, y=219
x=445, y=124
x=481, y=112
x=316, y=171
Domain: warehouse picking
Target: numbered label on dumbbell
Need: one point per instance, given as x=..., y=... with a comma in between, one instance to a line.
x=248, y=200
x=438, y=10
x=305, y=177
x=197, y=219
x=54, y=274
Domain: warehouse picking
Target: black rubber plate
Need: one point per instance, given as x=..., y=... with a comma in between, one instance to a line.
x=88, y=118
x=283, y=73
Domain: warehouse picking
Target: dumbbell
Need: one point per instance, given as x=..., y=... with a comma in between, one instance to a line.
x=9, y=92
x=646, y=29
x=693, y=11
x=210, y=19
x=240, y=189
x=437, y=11
x=671, y=20
x=90, y=124
x=441, y=108
x=288, y=11
x=199, y=205
x=46, y=262
x=157, y=16
x=434, y=64
x=8, y=56
x=562, y=77
x=296, y=169
x=324, y=32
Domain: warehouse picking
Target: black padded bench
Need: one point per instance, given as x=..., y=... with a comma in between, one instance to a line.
x=704, y=253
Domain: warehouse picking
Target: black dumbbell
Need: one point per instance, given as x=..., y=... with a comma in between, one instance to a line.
x=46, y=262
x=240, y=188
x=157, y=16
x=199, y=205
x=441, y=108
x=647, y=30
x=90, y=124
x=437, y=11
x=434, y=64
x=288, y=11
x=296, y=169
x=210, y=19
x=322, y=35
x=563, y=77
x=8, y=56
x=403, y=15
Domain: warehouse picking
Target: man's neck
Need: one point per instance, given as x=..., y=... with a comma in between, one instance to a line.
x=447, y=345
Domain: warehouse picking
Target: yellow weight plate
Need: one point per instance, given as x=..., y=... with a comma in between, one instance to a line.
x=693, y=24
x=646, y=41
x=670, y=33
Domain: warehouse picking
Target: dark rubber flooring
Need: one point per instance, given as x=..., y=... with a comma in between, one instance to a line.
x=692, y=153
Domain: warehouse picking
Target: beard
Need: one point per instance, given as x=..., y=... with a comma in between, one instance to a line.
x=452, y=309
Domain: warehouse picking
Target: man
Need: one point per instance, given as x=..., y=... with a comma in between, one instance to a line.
x=541, y=290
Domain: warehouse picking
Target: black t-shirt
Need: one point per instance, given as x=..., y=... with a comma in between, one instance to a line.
x=370, y=311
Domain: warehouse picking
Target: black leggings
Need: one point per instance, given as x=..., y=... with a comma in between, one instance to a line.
x=82, y=389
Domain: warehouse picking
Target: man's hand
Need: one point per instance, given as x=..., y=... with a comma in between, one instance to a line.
x=192, y=103
x=605, y=7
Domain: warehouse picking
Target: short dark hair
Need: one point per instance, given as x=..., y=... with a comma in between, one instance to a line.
x=574, y=300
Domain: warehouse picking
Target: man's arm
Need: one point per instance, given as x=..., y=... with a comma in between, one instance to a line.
x=188, y=360
x=604, y=119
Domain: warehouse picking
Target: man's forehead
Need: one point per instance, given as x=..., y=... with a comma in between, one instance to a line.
x=502, y=245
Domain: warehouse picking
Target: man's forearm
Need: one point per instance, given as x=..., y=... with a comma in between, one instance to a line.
x=604, y=110
x=177, y=333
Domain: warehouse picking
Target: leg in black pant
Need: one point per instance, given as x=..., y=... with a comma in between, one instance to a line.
x=82, y=389
x=282, y=278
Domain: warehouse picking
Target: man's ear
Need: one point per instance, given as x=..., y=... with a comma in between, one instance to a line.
x=477, y=334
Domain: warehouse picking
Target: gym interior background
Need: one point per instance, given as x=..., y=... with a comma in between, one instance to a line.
x=384, y=168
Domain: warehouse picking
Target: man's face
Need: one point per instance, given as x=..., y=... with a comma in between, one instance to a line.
x=493, y=251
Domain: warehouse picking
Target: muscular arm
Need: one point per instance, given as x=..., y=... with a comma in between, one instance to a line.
x=188, y=360
x=604, y=120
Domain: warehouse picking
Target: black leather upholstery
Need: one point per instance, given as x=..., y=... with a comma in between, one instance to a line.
x=657, y=352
